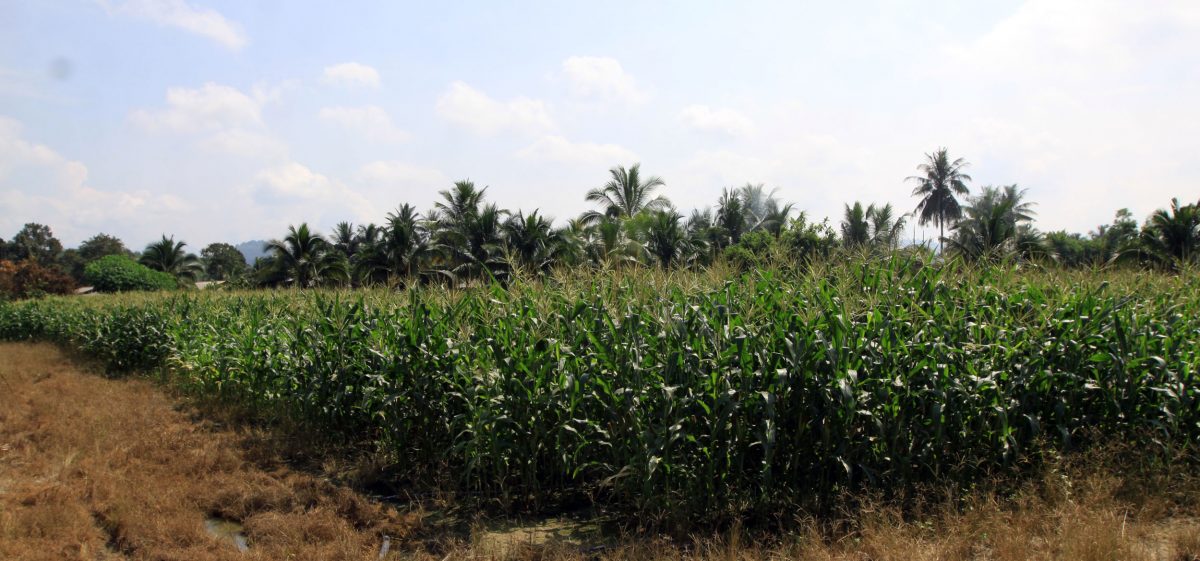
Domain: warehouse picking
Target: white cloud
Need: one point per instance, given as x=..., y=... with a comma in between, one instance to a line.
x=295, y=192
x=601, y=77
x=64, y=198
x=371, y=121
x=705, y=118
x=210, y=107
x=205, y=22
x=558, y=149
x=473, y=109
x=224, y=118
x=245, y=143
x=351, y=74
x=393, y=173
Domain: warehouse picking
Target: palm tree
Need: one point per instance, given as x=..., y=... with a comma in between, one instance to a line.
x=885, y=228
x=168, y=256
x=940, y=180
x=666, y=239
x=344, y=239
x=731, y=217
x=306, y=257
x=459, y=204
x=856, y=226
x=407, y=241
x=762, y=209
x=1172, y=237
x=626, y=194
x=532, y=240
x=996, y=222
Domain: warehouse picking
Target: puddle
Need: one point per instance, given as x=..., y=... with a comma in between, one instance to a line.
x=227, y=530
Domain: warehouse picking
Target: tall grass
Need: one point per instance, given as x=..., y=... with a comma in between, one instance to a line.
x=687, y=394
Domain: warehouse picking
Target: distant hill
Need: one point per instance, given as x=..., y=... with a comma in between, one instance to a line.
x=252, y=250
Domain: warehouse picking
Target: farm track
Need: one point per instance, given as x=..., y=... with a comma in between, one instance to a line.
x=100, y=469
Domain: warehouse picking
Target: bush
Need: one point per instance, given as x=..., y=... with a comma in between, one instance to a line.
x=27, y=279
x=118, y=273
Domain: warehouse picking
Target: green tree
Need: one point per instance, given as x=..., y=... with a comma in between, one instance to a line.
x=762, y=210
x=532, y=240
x=730, y=217
x=856, y=226
x=223, y=261
x=874, y=226
x=345, y=239
x=626, y=194
x=1171, y=237
x=305, y=259
x=101, y=245
x=996, y=223
x=940, y=180
x=36, y=242
x=168, y=256
x=666, y=238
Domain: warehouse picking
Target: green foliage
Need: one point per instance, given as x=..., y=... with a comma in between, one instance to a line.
x=753, y=250
x=119, y=273
x=168, y=256
x=806, y=241
x=686, y=394
x=1172, y=237
x=223, y=261
x=34, y=242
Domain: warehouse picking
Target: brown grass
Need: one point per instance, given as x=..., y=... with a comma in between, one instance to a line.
x=99, y=469
x=92, y=468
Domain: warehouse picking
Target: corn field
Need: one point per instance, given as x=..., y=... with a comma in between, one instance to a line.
x=686, y=393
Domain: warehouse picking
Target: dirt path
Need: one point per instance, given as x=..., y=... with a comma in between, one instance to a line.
x=92, y=468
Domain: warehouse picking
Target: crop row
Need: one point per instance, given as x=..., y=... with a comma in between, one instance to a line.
x=758, y=392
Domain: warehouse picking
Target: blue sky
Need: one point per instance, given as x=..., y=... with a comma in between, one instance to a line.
x=227, y=121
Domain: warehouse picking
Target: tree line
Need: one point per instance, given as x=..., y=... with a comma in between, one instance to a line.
x=466, y=238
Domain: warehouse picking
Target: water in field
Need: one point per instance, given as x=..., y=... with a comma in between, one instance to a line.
x=227, y=530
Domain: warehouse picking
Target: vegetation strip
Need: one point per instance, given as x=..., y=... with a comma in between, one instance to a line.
x=688, y=396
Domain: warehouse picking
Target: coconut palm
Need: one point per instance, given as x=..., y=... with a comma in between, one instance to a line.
x=345, y=239
x=406, y=238
x=885, y=226
x=856, y=226
x=459, y=204
x=731, y=217
x=473, y=243
x=168, y=256
x=666, y=238
x=995, y=223
x=874, y=226
x=940, y=180
x=532, y=240
x=626, y=194
x=306, y=259
x=1172, y=237
x=762, y=210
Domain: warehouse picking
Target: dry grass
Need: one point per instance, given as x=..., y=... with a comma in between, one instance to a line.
x=92, y=468
x=96, y=469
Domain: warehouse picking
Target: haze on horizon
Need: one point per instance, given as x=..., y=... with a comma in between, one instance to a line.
x=228, y=121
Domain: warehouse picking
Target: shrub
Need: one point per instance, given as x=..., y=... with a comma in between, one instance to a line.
x=118, y=273
x=27, y=279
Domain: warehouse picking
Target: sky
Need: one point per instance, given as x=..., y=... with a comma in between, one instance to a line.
x=225, y=121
